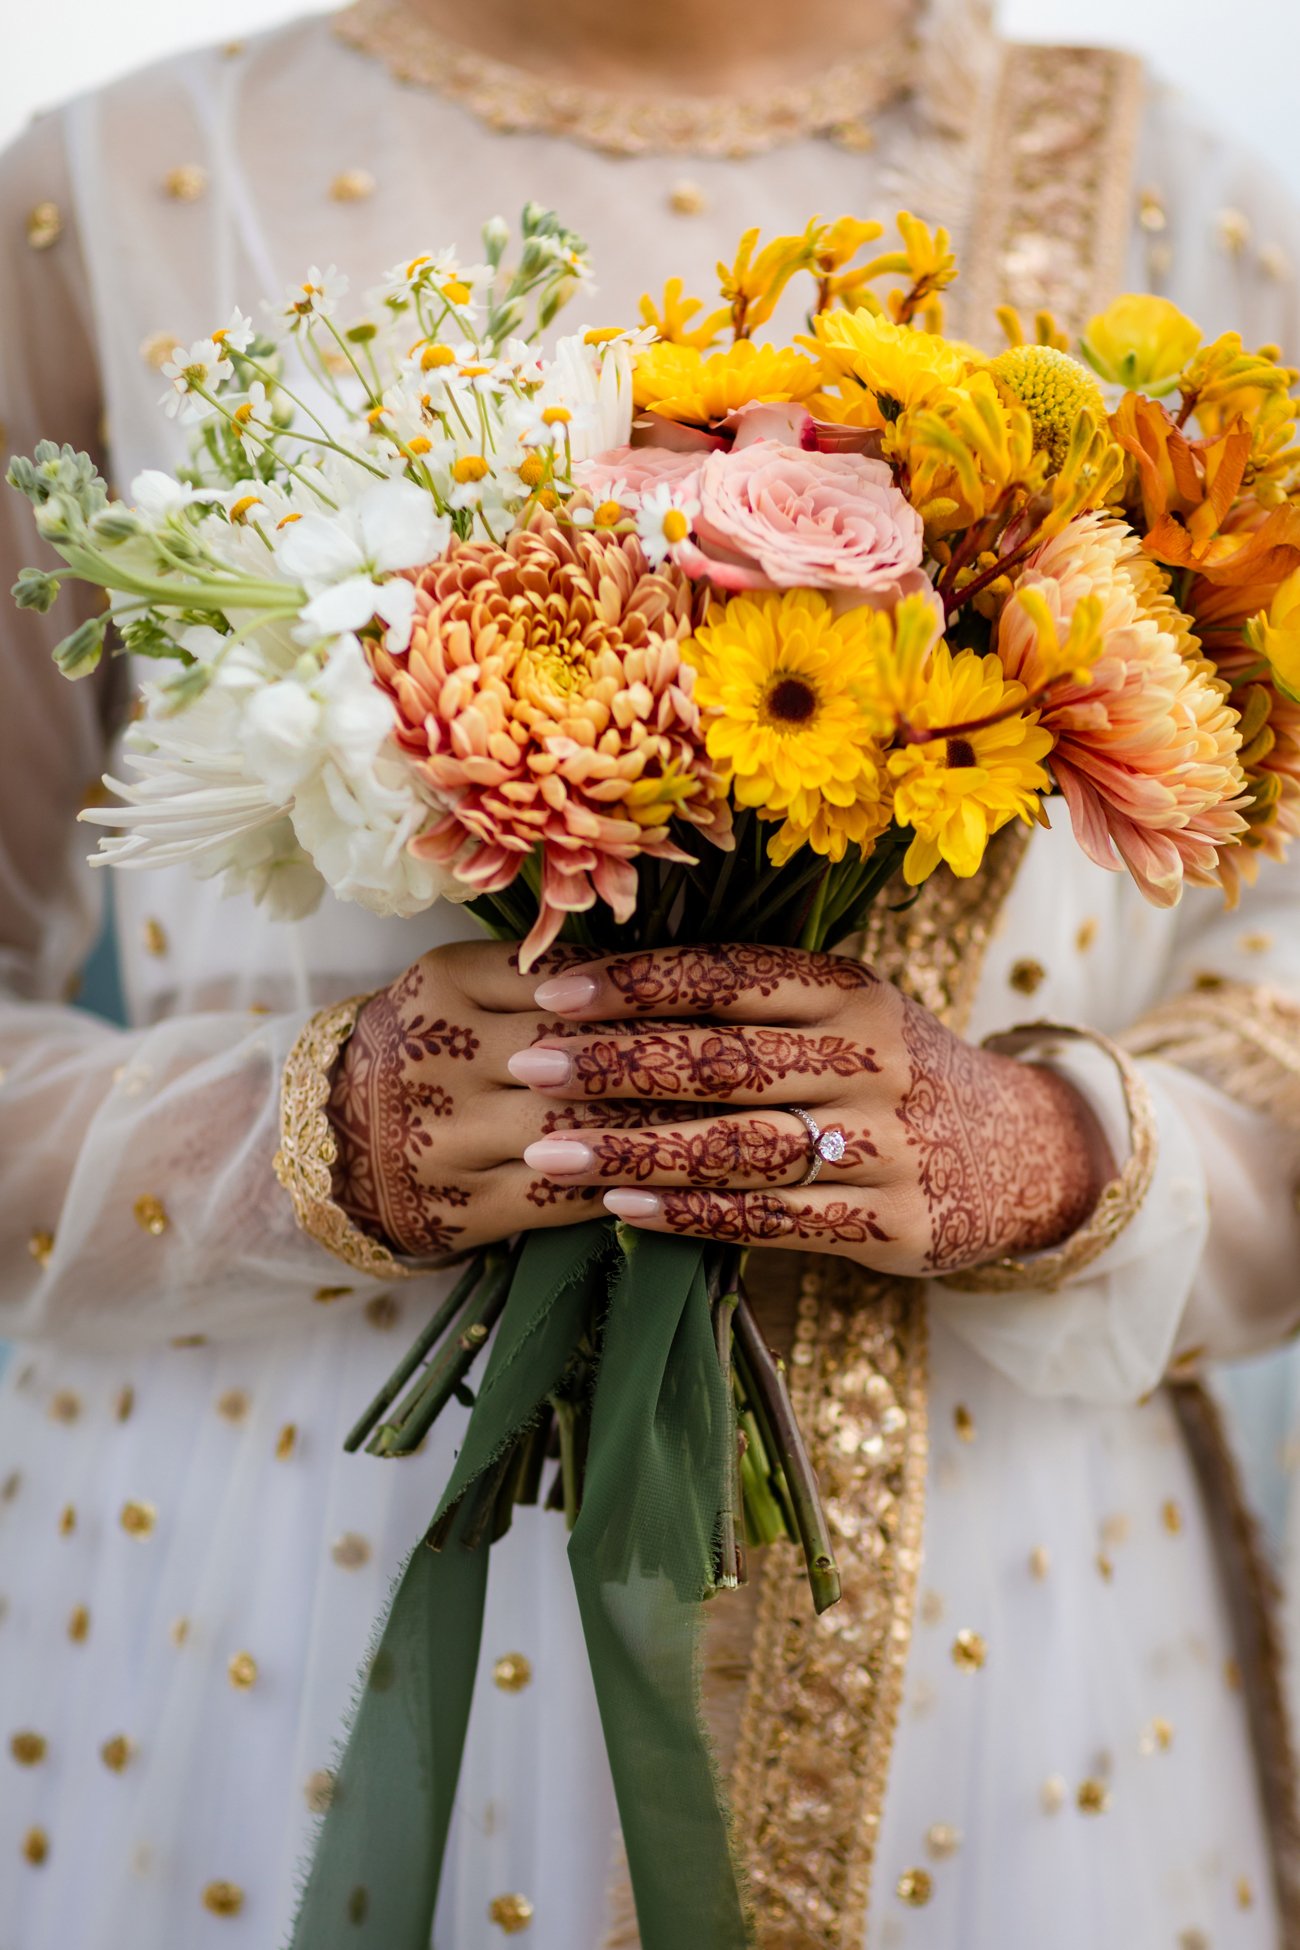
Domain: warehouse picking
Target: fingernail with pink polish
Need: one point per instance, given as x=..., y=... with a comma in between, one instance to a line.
x=560, y=1157
x=540, y=1066
x=633, y=1205
x=567, y=995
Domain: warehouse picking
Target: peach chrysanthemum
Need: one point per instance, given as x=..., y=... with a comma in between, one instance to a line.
x=545, y=700
x=1147, y=752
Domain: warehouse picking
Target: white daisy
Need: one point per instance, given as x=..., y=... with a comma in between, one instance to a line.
x=664, y=521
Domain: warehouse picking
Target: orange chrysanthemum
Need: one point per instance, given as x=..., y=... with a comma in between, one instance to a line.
x=1148, y=748
x=545, y=699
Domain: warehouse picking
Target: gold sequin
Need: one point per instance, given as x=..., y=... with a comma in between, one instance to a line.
x=79, y=1624
x=36, y=1846
x=284, y=1442
x=44, y=225
x=351, y=1551
x=1086, y=935
x=969, y=1650
x=964, y=1422
x=358, y=1904
x=1255, y=944
x=1093, y=1796
x=1027, y=975
x=1171, y=1516
x=65, y=1405
x=510, y=1913
x=1232, y=231
x=41, y=1246
x=28, y=1748
x=1151, y=210
x=318, y=1790
x=1207, y=981
x=124, y=1402
x=687, y=199
x=1157, y=1736
x=512, y=1672
x=1051, y=1794
x=188, y=1340
x=241, y=1670
x=138, y=1518
x=9, y=1489
x=116, y=1752
x=1040, y=1561
x=324, y=1294
x=178, y=1631
x=223, y=1898
x=1193, y=1940
x=1105, y=1569
x=915, y=1887
x=382, y=1311
x=942, y=1840
x=232, y=1406
x=1115, y=1529
x=157, y=349
x=151, y=1215
x=1274, y=263
x=67, y=1520
x=155, y=937
x=186, y=183
x=1245, y=1893
x=352, y=186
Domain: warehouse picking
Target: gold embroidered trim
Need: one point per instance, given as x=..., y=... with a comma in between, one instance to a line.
x=309, y=1150
x=509, y=99
x=1243, y=1038
x=1253, y=1600
x=1052, y=224
x=1121, y=1200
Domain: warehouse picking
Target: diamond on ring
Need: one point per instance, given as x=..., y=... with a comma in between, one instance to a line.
x=825, y=1147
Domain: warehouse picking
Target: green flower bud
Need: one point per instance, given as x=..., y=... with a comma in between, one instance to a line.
x=80, y=653
x=35, y=589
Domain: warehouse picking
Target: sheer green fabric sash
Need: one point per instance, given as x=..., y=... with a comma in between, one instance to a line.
x=641, y=1554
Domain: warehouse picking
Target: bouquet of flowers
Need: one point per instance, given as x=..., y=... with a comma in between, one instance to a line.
x=677, y=635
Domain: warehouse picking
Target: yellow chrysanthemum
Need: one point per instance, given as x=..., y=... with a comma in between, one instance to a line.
x=788, y=721
x=682, y=383
x=1275, y=634
x=1140, y=342
x=956, y=792
x=882, y=368
x=1056, y=392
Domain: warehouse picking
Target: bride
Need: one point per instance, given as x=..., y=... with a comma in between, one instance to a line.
x=1048, y=1715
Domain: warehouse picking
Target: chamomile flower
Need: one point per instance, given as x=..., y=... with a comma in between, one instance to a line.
x=236, y=335
x=398, y=287
x=193, y=371
x=664, y=521
x=316, y=297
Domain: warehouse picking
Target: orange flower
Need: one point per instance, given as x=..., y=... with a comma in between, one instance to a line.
x=546, y=700
x=1147, y=751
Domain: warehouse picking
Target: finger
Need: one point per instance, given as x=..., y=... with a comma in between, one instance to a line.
x=497, y=1126
x=741, y=982
x=728, y=1065
x=729, y=1153
x=487, y=973
x=827, y=1219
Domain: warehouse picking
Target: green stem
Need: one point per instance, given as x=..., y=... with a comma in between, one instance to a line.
x=418, y=1352
x=811, y=933
x=417, y=1414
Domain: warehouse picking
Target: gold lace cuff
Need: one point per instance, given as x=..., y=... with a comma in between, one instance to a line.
x=1242, y=1038
x=1120, y=1201
x=309, y=1149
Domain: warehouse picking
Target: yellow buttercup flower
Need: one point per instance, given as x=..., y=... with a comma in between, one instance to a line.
x=882, y=368
x=782, y=682
x=1056, y=392
x=1140, y=342
x=682, y=383
x=1275, y=634
x=956, y=791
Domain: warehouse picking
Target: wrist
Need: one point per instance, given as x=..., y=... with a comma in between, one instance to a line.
x=1070, y=1163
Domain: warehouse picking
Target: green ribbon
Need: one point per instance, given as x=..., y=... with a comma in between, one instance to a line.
x=641, y=1554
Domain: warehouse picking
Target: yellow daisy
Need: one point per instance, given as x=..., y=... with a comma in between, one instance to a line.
x=882, y=368
x=781, y=681
x=683, y=383
x=956, y=792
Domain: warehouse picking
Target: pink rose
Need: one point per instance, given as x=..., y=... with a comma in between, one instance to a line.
x=773, y=516
x=640, y=470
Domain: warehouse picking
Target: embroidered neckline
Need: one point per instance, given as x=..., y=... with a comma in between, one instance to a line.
x=838, y=104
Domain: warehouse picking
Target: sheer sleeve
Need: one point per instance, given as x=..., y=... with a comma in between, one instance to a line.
x=137, y=1199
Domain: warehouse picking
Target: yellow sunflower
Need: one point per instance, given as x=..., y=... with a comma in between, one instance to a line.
x=681, y=382
x=956, y=792
x=780, y=679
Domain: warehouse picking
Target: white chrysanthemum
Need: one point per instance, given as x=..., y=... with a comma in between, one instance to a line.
x=595, y=383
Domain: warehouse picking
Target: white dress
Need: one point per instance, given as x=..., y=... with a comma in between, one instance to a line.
x=189, y=1565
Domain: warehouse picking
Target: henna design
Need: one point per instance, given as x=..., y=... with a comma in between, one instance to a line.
x=542, y=1192
x=739, y=1217
x=718, y=1153
x=717, y=1062
x=622, y=1113
x=379, y=1112
x=715, y=978
x=1006, y=1159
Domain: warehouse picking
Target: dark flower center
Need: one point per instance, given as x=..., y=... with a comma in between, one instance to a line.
x=960, y=752
x=792, y=700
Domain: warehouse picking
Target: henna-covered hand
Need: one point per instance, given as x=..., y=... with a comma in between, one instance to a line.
x=948, y=1155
